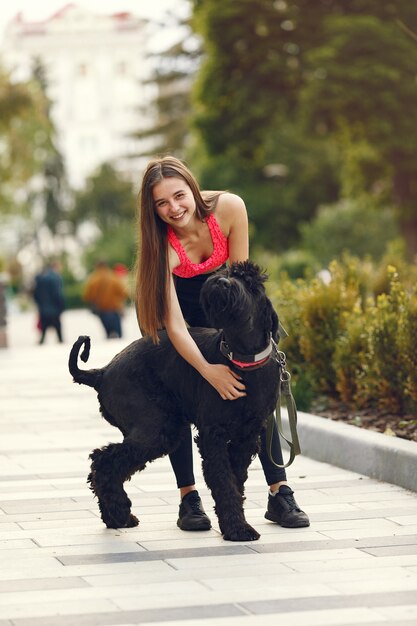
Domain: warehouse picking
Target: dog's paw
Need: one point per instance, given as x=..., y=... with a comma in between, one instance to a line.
x=132, y=521
x=116, y=518
x=245, y=533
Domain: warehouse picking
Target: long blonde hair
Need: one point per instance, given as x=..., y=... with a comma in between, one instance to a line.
x=152, y=267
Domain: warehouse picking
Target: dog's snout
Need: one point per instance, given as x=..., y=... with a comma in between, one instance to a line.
x=224, y=282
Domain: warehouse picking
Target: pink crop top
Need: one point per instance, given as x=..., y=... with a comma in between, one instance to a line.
x=220, y=254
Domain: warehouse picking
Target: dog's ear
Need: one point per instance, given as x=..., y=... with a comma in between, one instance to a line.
x=252, y=276
x=273, y=321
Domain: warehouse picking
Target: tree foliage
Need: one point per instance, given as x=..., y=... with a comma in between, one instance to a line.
x=349, y=226
x=54, y=191
x=107, y=200
x=26, y=135
x=174, y=69
x=366, y=90
x=295, y=83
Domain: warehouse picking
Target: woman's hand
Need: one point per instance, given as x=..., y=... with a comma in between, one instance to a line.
x=225, y=381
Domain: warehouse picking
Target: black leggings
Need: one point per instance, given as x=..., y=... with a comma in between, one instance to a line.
x=182, y=461
x=188, y=291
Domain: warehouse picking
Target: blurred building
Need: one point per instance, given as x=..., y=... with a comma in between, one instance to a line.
x=96, y=70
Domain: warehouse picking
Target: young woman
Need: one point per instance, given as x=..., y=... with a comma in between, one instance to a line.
x=185, y=234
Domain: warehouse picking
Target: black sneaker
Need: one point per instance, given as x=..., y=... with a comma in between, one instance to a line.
x=283, y=509
x=191, y=514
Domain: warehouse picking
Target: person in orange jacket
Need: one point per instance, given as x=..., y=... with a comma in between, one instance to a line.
x=106, y=293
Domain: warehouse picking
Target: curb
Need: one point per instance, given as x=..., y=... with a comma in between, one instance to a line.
x=390, y=459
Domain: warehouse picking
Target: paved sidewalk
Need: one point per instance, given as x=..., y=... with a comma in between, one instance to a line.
x=356, y=564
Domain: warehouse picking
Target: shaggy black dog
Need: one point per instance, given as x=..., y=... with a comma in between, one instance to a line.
x=151, y=394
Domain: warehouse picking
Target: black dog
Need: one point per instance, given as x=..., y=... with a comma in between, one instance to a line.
x=151, y=394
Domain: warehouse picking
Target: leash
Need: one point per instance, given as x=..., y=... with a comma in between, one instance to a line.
x=275, y=420
x=250, y=362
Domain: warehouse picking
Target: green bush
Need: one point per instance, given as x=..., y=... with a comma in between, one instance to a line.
x=346, y=343
x=292, y=263
x=407, y=346
x=353, y=226
x=381, y=382
x=349, y=353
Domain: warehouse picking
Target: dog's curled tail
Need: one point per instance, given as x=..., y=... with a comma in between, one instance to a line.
x=91, y=377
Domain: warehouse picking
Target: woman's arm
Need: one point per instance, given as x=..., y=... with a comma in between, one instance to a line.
x=233, y=220
x=223, y=379
x=232, y=216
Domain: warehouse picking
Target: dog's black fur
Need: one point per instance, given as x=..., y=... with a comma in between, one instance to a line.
x=151, y=394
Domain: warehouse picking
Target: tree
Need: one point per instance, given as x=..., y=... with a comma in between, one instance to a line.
x=32, y=172
x=354, y=226
x=257, y=58
x=107, y=200
x=366, y=91
x=54, y=194
x=25, y=133
x=248, y=135
x=269, y=66
x=174, y=70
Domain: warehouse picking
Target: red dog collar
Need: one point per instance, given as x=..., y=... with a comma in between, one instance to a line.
x=246, y=361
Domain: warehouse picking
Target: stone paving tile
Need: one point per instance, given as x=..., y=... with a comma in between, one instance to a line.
x=76, y=521
x=370, y=523
x=386, y=622
x=214, y=540
x=352, y=513
x=347, y=617
x=268, y=576
x=353, y=564
x=205, y=597
x=404, y=520
x=6, y=526
x=376, y=586
x=327, y=544
x=370, y=600
x=362, y=533
x=46, y=609
x=136, y=617
x=405, y=612
x=140, y=596
x=16, y=544
x=395, y=550
x=39, y=584
x=408, y=500
x=123, y=557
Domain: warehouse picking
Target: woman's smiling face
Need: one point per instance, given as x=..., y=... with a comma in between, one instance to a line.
x=174, y=202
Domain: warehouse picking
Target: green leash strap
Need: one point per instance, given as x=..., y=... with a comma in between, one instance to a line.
x=275, y=420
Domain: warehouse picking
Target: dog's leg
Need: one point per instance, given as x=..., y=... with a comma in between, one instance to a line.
x=241, y=454
x=110, y=467
x=222, y=482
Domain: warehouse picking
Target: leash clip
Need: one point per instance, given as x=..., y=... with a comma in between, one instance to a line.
x=227, y=352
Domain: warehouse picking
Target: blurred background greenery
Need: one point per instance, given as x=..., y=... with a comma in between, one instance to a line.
x=308, y=110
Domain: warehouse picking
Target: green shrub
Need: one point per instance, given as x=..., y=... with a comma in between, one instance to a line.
x=382, y=381
x=353, y=226
x=348, y=344
x=408, y=349
x=348, y=356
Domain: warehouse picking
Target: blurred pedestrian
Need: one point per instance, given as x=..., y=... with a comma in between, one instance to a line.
x=106, y=293
x=48, y=294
